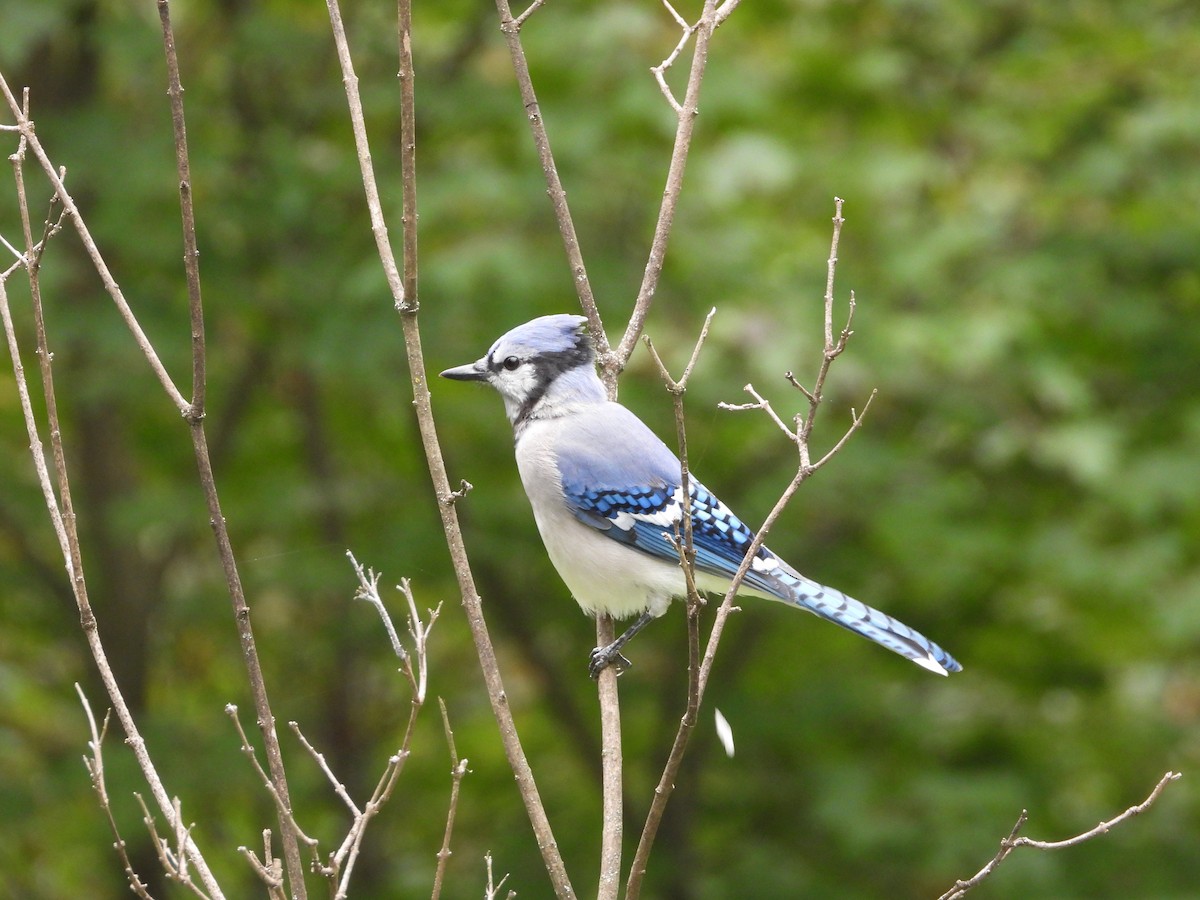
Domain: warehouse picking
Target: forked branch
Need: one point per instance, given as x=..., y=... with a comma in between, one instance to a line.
x=1013, y=842
x=686, y=112
x=699, y=674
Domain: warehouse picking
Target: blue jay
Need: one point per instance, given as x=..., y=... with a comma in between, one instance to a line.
x=607, y=499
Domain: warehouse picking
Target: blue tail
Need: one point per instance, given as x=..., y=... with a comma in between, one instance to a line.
x=773, y=576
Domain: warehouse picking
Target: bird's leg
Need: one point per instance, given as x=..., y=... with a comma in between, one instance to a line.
x=610, y=655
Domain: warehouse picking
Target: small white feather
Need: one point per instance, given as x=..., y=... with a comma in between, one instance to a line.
x=724, y=732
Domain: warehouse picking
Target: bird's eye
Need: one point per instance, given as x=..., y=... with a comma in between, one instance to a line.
x=511, y=363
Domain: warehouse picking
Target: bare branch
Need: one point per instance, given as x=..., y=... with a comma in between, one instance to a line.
x=21, y=261
x=724, y=10
x=511, y=28
x=856, y=419
x=682, y=541
x=284, y=810
x=370, y=188
x=407, y=302
x=661, y=69
x=63, y=519
x=339, y=866
x=530, y=10
x=493, y=886
x=368, y=590
x=173, y=862
x=680, y=386
x=686, y=114
x=699, y=673
x=612, y=813
x=194, y=416
x=832, y=350
x=269, y=869
x=801, y=433
x=319, y=758
x=94, y=764
x=760, y=403
x=1012, y=842
x=191, y=252
x=472, y=604
x=110, y=285
x=458, y=769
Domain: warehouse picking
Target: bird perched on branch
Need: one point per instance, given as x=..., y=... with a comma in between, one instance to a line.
x=607, y=497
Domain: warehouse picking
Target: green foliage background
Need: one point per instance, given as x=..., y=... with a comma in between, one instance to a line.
x=1023, y=204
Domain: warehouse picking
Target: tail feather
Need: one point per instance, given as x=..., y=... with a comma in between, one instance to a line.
x=779, y=580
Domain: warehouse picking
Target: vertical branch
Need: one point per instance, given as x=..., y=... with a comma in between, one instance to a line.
x=422, y=404
x=558, y=196
x=832, y=350
x=686, y=112
x=612, y=810
x=191, y=253
x=195, y=418
x=408, y=154
x=696, y=679
x=613, y=361
x=458, y=769
x=366, y=168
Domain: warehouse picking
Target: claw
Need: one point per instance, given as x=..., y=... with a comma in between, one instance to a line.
x=603, y=657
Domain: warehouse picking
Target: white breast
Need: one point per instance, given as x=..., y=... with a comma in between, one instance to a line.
x=602, y=574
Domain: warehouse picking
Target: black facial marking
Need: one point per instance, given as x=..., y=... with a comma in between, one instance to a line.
x=548, y=366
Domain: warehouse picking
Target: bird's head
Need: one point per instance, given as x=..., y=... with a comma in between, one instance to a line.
x=543, y=368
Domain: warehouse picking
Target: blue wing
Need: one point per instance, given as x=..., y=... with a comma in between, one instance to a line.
x=635, y=498
x=648, y=517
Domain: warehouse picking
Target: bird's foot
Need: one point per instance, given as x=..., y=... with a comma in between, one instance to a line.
x=603, y=657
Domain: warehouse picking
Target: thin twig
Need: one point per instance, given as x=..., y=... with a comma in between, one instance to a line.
x=173, y=862
x=368, y=590
x=493, y=886
x=191, y=252
x=93, y=252
x=339, y=866
x=832, y=350
x=458, y=770
x=529, y=11
x=95, y=768
x=661, y=69
x=269, y=869
x=319, y=758
x=1012, y=842
x=407, y=301
x=695, y=688
x=247, y=748
x=760, y=403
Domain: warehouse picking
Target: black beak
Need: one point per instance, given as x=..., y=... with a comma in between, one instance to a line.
x=476, y=371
